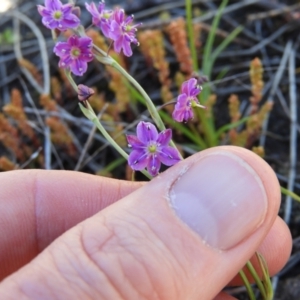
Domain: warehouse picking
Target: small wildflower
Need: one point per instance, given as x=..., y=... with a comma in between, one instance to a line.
x=101, y=17
x=75, y=54
x=150, y=149
x=187, y=100
x=57, y=15
x=84, y=92
x=122, y=32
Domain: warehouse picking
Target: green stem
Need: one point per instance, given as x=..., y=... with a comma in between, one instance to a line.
x=247, y=285
x=289, y=193
x=256, y=278
x=189, y=19
x=71, y=80
x=151, y=107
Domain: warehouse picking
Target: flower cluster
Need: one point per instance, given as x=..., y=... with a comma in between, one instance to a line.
x=150, y=149
x=77, y=51
x=187, y=100
x=115, y=25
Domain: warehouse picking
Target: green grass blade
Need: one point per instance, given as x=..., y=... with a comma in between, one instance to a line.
x=227, y=127
x=225, y=43
x=189, y=19
x=110, y=167
x=290, y=193
x=207, y=64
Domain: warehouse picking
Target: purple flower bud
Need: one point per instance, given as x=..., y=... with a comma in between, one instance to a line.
x=150, y=149
x=57, y=15
x=75, y=54
x=84, y=92
x=187, y=100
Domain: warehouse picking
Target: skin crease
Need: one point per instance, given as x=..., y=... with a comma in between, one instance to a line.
x=36, y=221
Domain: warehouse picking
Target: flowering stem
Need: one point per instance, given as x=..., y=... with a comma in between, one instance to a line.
x=90, y=114
x=151, y=107
x=108, y=60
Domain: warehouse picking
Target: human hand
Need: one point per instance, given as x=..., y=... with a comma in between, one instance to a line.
x=184, y=235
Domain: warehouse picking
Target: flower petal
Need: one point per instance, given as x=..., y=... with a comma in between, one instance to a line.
x=188, y=114
x=188, y=85
x=71, y=21
x=126, y=48
x=164, y=137
x=134, y=142
x=61, y=49
x=138, y=160
x=118, y=15
x=53, y=4
x=85, y=42
x=78, y=67
x=169, y=156
x=181, y=101
x=73, y=40
x=65, y=62
x=66, y=9
x=146, y=132
x=153, y=165
x=49, y=22
x=43, y=11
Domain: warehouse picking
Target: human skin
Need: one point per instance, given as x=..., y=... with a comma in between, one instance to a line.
x=69, y=235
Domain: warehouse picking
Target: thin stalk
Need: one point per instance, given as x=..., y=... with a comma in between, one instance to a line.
x=266, y=277
x=151, y=107
x=247, y=285
x=227, y=127
x=190, y=29
x=71, y=80
x=207, y=65
x=256, y=278
x=290, y=193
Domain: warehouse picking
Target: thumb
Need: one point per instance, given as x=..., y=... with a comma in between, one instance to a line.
x=184, y=235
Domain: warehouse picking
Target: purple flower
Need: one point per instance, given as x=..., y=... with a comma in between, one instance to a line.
x=150, y=149
x=57, y=15
x=75, y=54
x=187, y=100
x=122, y=32
x=101, y=17
x=84, y=92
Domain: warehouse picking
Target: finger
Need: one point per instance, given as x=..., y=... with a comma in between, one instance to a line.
x=38, y=206
x=276, y=249
x=184, y=235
